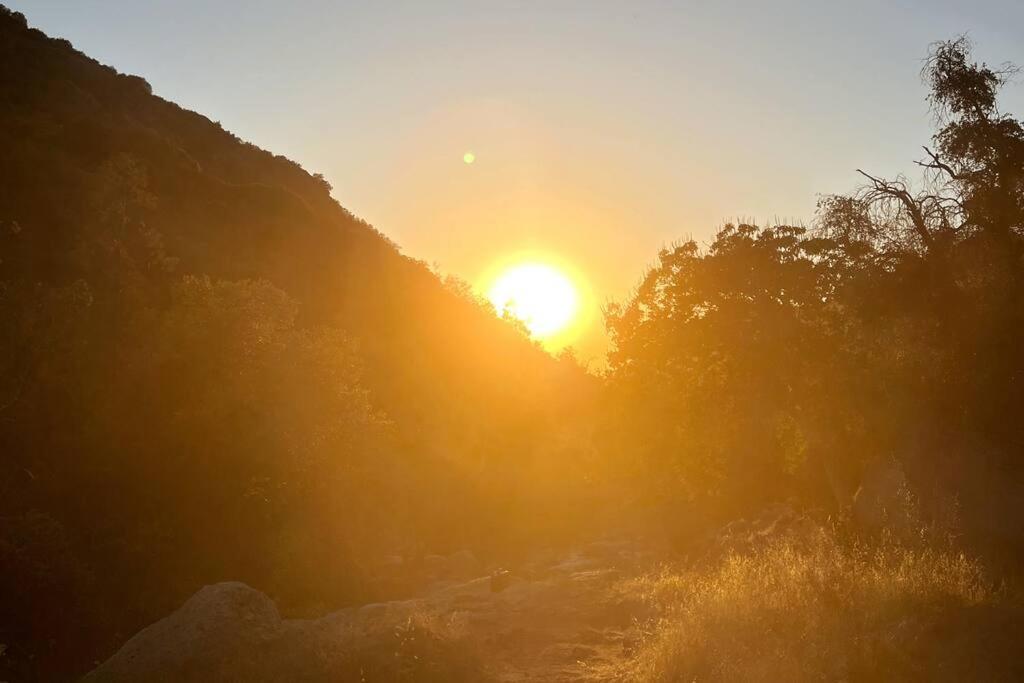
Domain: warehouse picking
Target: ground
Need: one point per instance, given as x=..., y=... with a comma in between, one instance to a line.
x=559, y=619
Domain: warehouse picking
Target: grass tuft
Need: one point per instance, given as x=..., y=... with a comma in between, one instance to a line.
x=814, y=608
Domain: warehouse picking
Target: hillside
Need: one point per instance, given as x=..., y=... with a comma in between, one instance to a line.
x=211, y=370
x=77, y=134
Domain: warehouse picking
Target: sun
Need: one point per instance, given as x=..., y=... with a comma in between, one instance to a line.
x=539, y=295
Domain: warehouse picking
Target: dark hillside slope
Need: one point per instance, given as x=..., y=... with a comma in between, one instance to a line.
x=210, y=370
x=221, y=207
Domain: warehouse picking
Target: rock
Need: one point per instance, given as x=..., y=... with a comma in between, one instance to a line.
x=209, y=638
x=229, y=632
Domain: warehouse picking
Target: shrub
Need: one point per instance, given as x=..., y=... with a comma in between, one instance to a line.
x=812, y=608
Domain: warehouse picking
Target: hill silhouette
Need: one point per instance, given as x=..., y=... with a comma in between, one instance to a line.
x=213, y=370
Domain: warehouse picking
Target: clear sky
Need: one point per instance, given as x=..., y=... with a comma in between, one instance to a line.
x=601, y=131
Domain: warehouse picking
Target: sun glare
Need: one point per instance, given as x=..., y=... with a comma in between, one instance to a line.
x=541, y=296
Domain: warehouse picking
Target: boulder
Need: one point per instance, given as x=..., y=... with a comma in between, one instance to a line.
x=209, y=638
x=231, y=632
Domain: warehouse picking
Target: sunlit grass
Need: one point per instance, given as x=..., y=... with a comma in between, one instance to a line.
x=814, y=609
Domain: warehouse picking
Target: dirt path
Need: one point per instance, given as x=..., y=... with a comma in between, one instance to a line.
x=559, y=619
x=556, y=621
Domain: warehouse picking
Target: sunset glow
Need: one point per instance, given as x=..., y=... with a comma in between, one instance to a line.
x=540, y=295
x=511, y=341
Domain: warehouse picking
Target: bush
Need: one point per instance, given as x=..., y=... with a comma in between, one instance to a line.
x=812, y=608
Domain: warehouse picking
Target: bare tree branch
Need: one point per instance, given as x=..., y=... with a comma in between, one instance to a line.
x=898, y=191
x=937, y=164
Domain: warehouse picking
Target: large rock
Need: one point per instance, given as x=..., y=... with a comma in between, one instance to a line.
x=212, y=637
x=231, y=632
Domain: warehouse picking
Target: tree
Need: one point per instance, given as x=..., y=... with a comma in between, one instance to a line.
x=973, y=179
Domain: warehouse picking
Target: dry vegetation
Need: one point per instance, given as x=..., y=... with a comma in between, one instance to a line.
x=422, y=647
x=818, y=608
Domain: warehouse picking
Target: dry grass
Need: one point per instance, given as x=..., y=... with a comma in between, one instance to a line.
x=419, y=648
x=812, y=608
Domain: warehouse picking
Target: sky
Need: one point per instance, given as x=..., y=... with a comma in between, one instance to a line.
x=601, y=131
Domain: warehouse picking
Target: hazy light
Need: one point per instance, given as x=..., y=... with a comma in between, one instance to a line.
x=541, y=296
x=469, y=157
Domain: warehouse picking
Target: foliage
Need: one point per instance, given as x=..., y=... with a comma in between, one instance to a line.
x=784, y=364
x=813, y=608
x=731, y=348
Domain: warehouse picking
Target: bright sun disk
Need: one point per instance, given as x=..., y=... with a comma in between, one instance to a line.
x=539, y=295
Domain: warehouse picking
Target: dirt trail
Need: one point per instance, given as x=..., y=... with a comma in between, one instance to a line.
x=559, y=620
x=556, y=619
